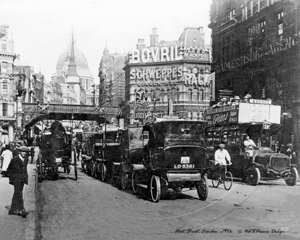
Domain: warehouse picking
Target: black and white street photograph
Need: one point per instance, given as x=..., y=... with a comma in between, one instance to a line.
x=149, y=119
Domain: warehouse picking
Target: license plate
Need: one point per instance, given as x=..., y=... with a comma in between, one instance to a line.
x=185, y=160
x=58, y=160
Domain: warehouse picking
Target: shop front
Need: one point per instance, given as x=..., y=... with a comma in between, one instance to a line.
x=7, y=126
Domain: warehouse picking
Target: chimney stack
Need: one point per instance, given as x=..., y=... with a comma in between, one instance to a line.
x=141, y=44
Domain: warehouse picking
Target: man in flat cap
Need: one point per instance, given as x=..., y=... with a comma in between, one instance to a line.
x=18, y=176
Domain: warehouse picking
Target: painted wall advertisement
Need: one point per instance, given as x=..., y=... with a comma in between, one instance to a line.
x=222, y=116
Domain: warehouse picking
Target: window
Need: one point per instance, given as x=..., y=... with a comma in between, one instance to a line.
x=280, y=28
x=232, y=14
x=4, y=67
x=4, y=88
x=4, y=109
x=279, y=15
x=262, y=24
x=263, y=4
x=249, y=12
x=4, y=46
x=255, y=7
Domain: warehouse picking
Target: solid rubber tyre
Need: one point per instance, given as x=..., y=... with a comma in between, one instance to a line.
x=292, y=179
x=123, y=179
x=202, y=188
x=155, y=188
x=134, y=179
x=253, y=176
x=103, y=172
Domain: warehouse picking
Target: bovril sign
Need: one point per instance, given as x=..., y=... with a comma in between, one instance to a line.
x=155, y=54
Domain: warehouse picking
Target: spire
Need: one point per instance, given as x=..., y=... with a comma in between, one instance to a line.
x=72, y=68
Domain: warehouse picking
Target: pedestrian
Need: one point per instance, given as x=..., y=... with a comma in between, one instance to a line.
x=18, y=176
x=6, y=157
x=290, y=152
x=249, y=146
x=222, y=158
x=32, y=153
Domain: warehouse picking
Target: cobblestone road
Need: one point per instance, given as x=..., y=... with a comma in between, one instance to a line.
x=90, y=209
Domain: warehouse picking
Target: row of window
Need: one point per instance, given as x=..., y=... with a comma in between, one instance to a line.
x=247, y=10
x=4, y=88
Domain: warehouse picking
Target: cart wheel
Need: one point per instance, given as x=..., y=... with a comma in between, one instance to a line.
x=103, y=172
x=292, y=179
x=75, y=169
x=93, y=169
x=155, y=188
x=215, y=181
x=202, y=188
x=134, y=181
x=228, y=180
x=123, y=179
x=253, y=176
x=96, y=171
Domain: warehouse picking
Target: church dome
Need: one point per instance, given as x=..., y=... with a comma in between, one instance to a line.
x=193, y=37
x=80, y=60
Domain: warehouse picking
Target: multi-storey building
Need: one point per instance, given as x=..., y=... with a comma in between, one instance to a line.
x=169, y=76
x=38, y=81
x=7, y=86
x=112, y=78
x=56, y=93
x=256, y=50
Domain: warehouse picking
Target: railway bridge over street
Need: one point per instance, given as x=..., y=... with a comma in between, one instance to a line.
x=33, y=113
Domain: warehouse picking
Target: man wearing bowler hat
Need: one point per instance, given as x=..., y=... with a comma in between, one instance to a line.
x=18, y=176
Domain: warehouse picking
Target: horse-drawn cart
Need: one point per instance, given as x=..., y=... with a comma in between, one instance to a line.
x=56, y=153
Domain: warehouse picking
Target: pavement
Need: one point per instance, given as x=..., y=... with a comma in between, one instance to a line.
x=14, y=227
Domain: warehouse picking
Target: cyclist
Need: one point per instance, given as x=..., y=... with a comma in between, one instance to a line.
x=222, y=158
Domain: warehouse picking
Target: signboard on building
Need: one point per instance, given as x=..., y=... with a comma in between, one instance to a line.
x=155, y=54
x=243, y=113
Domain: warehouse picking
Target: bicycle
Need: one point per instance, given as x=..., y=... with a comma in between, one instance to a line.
x=225, y=178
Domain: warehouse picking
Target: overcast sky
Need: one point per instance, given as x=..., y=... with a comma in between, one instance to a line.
x=42, y=28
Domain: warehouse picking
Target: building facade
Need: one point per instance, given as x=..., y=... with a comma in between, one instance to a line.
x=7, y=86
x=255, y=50
x=56, y=93
x=168, y=77
x=112, y=78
